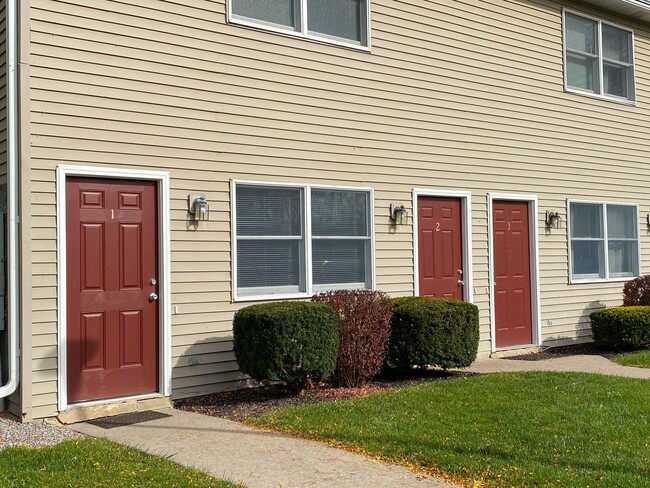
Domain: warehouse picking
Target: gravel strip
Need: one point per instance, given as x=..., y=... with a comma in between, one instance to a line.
x=34, y=434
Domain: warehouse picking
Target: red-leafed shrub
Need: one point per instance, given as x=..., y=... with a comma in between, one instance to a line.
x=364, y=331
x=637, y=292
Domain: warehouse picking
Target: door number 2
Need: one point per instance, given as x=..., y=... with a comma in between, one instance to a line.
x=437, y=226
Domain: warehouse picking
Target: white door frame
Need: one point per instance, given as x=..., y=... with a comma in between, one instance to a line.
x=533, y=239
x=466, y=211
x=164, y=264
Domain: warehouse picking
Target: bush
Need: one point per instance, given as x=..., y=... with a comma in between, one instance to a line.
x=433, y=331
x=364, y=331
x=637, y=292
x=621, y=328
x=290, y=342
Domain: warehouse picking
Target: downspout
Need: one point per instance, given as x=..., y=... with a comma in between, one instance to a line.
x=12, y=195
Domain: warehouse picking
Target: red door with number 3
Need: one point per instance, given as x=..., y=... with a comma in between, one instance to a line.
x=112, y=277
x=512, y=295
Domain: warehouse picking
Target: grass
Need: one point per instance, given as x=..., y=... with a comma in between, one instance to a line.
x=96, y=463
x=511, y=429
x=640, y=359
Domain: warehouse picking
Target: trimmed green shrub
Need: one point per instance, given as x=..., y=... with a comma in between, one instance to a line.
x=289, y=342
x=364, y=332
x=621, y=328
x=433, y=331
x=637, y=291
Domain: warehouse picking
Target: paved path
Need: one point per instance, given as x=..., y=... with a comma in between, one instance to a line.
x=261, y=459
x=256, y=458
x=580, y=363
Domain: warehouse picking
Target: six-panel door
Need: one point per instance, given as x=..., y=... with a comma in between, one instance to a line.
x=440, y=247
x=112, y=271
x=512, y=290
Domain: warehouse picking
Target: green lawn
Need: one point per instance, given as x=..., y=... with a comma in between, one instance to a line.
x=640, y=359
x=512, y=429
x=95, y=463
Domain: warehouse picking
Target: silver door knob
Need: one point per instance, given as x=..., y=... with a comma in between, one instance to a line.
x=153, y=297
x=461, y=282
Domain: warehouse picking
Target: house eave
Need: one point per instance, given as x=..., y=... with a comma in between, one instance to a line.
x=637, y=9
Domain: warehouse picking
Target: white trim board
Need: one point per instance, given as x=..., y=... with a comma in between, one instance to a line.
x=164, y=264
x=536, y=320
x=466, y=211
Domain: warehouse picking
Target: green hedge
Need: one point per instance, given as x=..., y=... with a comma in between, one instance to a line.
x=290, y=342
x=433, y=331
x=621, y=328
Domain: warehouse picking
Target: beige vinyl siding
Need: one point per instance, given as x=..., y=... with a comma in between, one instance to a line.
x=462, y=95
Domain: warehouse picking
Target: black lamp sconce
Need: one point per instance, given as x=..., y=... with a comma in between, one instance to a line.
x=553, y=219
x=399, y=214
x=198, y=207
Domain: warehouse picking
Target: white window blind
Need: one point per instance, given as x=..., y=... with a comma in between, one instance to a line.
x=272, y=256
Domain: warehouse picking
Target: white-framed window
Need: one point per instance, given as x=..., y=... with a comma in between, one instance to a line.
x=294, y=240
x=343, y=22
x=598, y=58
x=604, y=241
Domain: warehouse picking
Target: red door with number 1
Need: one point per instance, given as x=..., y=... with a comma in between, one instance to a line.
x=112, y=278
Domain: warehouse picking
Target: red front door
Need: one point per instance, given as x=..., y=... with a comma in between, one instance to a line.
x=112, y=256
x=440, y=247
x=512, y=302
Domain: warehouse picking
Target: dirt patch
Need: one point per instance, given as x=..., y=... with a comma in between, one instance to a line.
x=245, y=403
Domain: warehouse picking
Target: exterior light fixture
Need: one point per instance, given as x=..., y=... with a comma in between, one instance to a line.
x=399, y=214
x=198, y=207
x=553, y=219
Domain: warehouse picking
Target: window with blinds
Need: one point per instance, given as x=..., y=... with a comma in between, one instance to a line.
x=336, y=21
x=273, y=253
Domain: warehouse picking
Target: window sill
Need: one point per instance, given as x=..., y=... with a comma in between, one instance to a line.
x=267, y=298
x=622, y=101
x=299, y=35
x=587, y=281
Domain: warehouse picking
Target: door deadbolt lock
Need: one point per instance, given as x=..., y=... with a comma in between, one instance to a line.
x=153, y=282
x=460, y=272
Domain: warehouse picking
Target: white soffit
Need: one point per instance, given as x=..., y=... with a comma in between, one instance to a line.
x=637, y=9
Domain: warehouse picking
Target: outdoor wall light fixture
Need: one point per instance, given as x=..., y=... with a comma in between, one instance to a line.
x=553, y=219
x=399, y=214
x=198, y=207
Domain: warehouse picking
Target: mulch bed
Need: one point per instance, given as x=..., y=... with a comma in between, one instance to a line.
x=245, y=403
x=586, y=348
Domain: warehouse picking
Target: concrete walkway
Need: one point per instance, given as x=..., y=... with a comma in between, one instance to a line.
x=261, y=459
x=577, y=363
x=256, y=458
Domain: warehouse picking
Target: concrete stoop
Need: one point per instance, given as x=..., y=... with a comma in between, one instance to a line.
x=92, y=412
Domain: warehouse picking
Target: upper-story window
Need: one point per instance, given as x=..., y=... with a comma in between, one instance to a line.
x=598, y=58
x=344, y=22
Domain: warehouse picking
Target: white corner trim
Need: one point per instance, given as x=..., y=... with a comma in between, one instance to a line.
x=536, y=319
x=164, y=264
x=13, y=191
x=466, y=210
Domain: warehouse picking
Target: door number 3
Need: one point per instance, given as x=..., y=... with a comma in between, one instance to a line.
x=508, y=225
